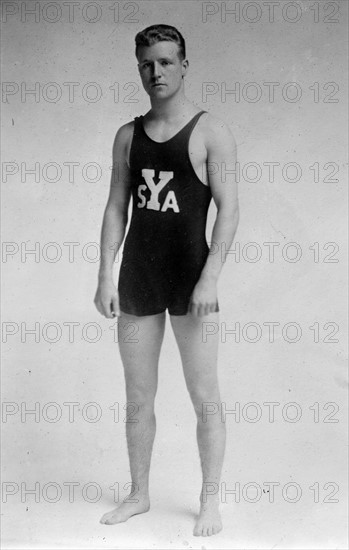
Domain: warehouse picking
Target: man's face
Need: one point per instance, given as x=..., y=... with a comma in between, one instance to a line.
x=161, y=69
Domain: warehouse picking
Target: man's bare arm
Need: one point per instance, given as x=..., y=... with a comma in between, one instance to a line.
x=114, y=225
x=221, y=149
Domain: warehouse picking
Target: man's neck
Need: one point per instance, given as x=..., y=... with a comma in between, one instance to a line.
x=169, y=109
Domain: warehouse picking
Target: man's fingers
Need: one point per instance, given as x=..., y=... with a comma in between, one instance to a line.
x=200, y=310
x=115, y=307
x=107, y=309
x=193, y=308
x=107, y=301
x=213, y=307
x=206, y=309
x=98, y=306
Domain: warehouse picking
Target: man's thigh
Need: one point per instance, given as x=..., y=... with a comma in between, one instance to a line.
x=140, y=340
x=197, y=339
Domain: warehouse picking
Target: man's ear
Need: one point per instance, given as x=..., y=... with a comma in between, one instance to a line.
x=185, y=67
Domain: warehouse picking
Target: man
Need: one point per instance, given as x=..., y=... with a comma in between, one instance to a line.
x=173, y=161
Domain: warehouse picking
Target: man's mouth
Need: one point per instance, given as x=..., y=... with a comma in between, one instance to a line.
x=158, y=84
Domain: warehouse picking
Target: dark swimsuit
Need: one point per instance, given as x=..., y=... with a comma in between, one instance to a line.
x=165, y=248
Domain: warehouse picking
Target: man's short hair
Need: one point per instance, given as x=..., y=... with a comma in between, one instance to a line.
x=157, y=33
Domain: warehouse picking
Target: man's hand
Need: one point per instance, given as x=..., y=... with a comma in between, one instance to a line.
x=204, y=298
x=107, y=299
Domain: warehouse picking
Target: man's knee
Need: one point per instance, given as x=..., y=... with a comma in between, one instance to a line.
x=201, y=394
x=142, y=395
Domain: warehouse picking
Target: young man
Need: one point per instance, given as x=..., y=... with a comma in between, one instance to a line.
x=172, y=161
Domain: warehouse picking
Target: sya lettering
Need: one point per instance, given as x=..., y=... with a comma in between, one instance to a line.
x=155, y=188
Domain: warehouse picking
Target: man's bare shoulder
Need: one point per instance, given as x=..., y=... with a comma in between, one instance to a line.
x=122, y=143
x=124, y=134
x=215, y=131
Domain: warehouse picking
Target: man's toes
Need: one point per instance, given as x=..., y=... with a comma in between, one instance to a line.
x=216, y=529
x=198, y=530
x=108, y=520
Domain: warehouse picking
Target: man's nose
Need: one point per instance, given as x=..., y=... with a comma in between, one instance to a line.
x=156, y=70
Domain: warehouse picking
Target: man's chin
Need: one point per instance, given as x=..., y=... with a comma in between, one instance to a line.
x=158, y=91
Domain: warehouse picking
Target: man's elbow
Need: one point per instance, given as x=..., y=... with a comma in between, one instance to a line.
x=230, y=213
x=116, y=212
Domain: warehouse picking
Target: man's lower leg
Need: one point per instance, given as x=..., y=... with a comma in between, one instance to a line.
x=211, y=435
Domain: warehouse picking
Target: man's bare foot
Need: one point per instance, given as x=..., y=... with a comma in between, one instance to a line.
x=126, y=510
x=209, y=521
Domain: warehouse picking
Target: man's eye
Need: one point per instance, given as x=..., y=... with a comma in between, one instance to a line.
x=165, y=63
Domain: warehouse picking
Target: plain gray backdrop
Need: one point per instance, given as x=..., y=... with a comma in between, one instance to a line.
x=282, y=294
